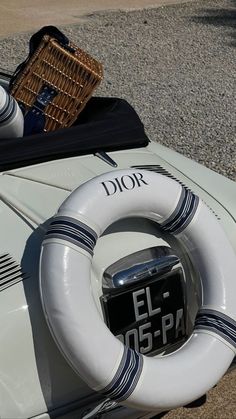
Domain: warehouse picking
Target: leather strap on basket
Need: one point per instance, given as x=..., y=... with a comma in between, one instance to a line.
x=35, y=117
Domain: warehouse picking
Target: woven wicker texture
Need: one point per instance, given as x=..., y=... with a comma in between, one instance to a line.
x=73, y=74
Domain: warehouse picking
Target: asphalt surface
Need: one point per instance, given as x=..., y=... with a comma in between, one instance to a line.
x=176, y=66
x=24, y=15
x=220, y=404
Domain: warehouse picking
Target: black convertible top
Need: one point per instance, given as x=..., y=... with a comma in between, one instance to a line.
x=106, y=124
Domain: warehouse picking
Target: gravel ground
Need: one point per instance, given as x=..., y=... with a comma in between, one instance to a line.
x=221, y=403
x=175, y=65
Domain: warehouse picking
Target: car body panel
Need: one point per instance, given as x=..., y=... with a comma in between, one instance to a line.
x=219, y=187
x=36, y=380
x=30, y=196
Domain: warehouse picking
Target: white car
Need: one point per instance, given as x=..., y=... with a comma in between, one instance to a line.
x=117, y=272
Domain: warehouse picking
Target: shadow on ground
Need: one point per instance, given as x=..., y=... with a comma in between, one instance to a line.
x=220, y=17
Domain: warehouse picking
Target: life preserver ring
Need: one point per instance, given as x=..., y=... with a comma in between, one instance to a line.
x=102, y=361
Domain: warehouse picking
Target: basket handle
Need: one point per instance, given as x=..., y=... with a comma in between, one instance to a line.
x=34, y=43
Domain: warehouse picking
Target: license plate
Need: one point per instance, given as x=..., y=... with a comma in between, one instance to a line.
x=150, y=317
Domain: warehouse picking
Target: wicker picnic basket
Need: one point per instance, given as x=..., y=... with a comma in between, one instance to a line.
x=57, y=80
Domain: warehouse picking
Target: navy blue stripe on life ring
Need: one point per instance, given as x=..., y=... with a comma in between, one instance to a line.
x=8, y=110
x=218, y=323
x=73, y=231
x=126, y=377
x=183, y=213
x=5, y=107
x=75, y=225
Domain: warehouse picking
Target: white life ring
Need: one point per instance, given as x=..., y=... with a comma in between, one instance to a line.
x=96, y=355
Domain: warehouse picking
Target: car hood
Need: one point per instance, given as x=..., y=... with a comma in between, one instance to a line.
x=30, y=196
x=34, y=193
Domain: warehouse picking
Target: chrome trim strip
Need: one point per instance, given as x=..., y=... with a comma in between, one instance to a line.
x=107, y=159
x=144, y=271
x=138, y=266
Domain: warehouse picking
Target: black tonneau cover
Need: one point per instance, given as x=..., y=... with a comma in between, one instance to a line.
x=106, y=124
